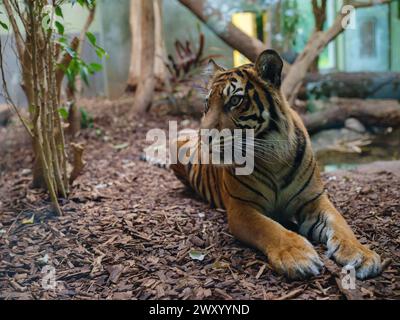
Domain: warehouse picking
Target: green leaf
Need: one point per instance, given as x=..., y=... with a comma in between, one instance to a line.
x=59, y=12
x=95, y=67
x=85, y=75
x=197, y=255
x=3, y=25
x=86, y=119
x=63, y=113
x=60, y=28
x=92, y=38
x=101, y=53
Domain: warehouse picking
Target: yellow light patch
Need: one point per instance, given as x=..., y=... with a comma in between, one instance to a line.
x=245, y=21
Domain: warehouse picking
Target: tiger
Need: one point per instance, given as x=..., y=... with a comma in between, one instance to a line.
x=282, y=206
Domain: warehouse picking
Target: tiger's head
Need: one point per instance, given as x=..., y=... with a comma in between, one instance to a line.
x=247, y=97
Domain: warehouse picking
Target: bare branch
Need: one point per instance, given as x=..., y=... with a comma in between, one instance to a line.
x=232, y=36
x=316, y=44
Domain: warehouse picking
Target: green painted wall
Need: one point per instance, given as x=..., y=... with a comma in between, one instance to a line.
x=395, y=36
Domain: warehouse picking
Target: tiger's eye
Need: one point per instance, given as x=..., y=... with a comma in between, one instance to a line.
x=235, y=101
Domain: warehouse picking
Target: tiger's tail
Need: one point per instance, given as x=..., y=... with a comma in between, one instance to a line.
x=152, y=155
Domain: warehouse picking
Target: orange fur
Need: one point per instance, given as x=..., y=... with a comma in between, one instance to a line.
x=285, y=187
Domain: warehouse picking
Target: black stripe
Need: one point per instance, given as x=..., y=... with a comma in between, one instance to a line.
x=271, y=183
x=323, y=227
x=311, y=230
x=196, y=153
x=258, y=102
x=273, y=126
x=249, y=86
x=239, y=73
x=210, y=191
x=190, y=168
x=249, y=187
x=244, y=126
x=303, y=187
x=198, y=178
x=336, y=250
x=300, y=153
x=319, y=224
x=214, y=174
x=253, y=117
x=244, y=200
x=305, y=204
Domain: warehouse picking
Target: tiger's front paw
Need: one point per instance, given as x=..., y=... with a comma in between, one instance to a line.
x=351, y=253
x=295, y=257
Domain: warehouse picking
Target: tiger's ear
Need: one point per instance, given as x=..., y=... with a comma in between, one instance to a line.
x=214, y=67
x=269, y=67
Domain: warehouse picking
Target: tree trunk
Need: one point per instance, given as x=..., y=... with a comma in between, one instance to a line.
x=135, y=23
x=379, y=113
x=375, y=85
x=160, y=70
x=320, y=19
x=160, y=59
x=146, y=82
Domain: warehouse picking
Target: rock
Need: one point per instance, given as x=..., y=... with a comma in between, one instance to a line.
x=185, y=123
x=329, y=139
x=5, y=114
x=354, y=125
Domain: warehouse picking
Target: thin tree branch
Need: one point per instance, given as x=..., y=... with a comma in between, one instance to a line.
x=19, y=40
x=316, y=44
x=231, y=35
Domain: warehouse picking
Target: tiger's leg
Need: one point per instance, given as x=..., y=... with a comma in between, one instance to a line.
x=288, y=253
x=321, y=222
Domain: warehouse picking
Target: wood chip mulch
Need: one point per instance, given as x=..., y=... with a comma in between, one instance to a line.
x=132, y=231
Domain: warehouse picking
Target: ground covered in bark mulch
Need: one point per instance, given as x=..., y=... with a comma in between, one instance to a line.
x=132, y=231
